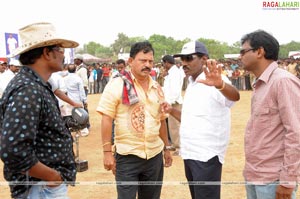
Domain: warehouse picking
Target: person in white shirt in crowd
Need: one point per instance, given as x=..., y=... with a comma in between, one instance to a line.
x=205, y=120
x=82, y=71
x=92, y=79
x=3, y=66
x=75, y=90
x=7, y=75
x=172, y=89
x=59, y=88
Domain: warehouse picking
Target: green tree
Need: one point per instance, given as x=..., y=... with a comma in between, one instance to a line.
x=286, y=48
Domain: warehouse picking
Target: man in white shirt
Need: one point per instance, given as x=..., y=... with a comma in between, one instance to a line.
x=7, y=75
x=81, y=71
x=12, y=43
x=205, y=120
x=75, y=90
x=58, y=87
x=172, y=90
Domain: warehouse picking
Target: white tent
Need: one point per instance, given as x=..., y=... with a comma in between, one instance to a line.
x=294, y=54
x=232, y=56
x=93, y=59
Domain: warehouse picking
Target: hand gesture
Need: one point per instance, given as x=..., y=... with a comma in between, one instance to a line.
x=212, y=73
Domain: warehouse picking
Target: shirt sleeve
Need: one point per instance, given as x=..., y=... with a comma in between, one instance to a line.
x=288, y=96
x=19, y=130
x=53, y=82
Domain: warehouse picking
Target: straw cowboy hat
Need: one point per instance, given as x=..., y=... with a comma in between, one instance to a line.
x=39, y=35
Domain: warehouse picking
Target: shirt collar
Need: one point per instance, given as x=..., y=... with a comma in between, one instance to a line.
x=200, y=76
x=35, y=75
x=265, y=76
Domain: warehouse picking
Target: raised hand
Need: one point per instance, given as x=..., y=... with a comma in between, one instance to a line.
x=213, y=73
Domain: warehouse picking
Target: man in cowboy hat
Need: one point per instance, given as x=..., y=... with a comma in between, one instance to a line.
x=36, y=145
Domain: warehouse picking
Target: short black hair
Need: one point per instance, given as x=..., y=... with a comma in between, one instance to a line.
x=144, y=46
x=261, y=38
x=121, y=61
x=169, y=59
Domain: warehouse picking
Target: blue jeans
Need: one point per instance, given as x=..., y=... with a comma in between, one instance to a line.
x=42, y=191
x=267, y=191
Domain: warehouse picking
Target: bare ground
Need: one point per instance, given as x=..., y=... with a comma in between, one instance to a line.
x=97, y=183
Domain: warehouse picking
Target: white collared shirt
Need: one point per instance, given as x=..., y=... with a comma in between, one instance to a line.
x=173, y=85
x=205, y=122
x=6, y=76
x=75, y=88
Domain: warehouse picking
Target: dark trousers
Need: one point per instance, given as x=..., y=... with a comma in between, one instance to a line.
x=200, y=174
x=133, y=171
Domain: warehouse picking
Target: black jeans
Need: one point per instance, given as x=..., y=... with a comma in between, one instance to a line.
x=132, y=171
x=200, y=174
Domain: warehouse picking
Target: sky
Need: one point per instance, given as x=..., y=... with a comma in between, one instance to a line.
x=101, y=21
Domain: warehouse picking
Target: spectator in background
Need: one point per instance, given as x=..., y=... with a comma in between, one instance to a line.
x=3, y=66
x=161, y=75
x=106, y=75
x=75, y=90
x=235, y=78
x=297, y=68
x=13, y=69
x=272, y=144
x=172, y=89
x=291, y=67
x=153, y=74
x=92, y=79
x=120, y=66
x=82, y=71
x=99, y=78
x=59, y=89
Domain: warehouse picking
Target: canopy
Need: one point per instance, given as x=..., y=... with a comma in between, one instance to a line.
x=93, y=59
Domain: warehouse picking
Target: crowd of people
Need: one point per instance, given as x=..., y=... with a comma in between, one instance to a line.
x=145, y=116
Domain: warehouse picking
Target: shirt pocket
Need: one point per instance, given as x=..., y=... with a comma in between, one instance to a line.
x=264, y=117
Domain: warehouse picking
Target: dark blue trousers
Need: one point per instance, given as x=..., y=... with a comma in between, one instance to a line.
x=204, y=178
x=132, y=170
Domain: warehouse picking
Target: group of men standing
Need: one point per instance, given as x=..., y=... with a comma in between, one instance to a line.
x=37, y=147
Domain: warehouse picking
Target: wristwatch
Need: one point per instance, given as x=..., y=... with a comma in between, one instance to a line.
x=168, y=148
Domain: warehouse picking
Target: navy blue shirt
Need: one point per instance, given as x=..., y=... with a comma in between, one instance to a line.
x=32, y=130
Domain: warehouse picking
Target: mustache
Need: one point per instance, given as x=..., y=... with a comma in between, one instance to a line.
x=146, y=69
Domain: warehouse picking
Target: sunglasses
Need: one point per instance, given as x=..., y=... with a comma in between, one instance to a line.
x=188, y=58
x=59, y=49
x=244, y=51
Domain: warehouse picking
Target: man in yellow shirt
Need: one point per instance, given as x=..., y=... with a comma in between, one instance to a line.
x=134, y=100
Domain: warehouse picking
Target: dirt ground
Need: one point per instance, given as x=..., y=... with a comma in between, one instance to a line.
x=97, y=183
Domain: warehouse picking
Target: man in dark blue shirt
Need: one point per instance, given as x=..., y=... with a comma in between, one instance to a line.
x=99, y=79
x=36, y=145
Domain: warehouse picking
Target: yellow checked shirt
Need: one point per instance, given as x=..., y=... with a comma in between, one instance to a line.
x=136, y=126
